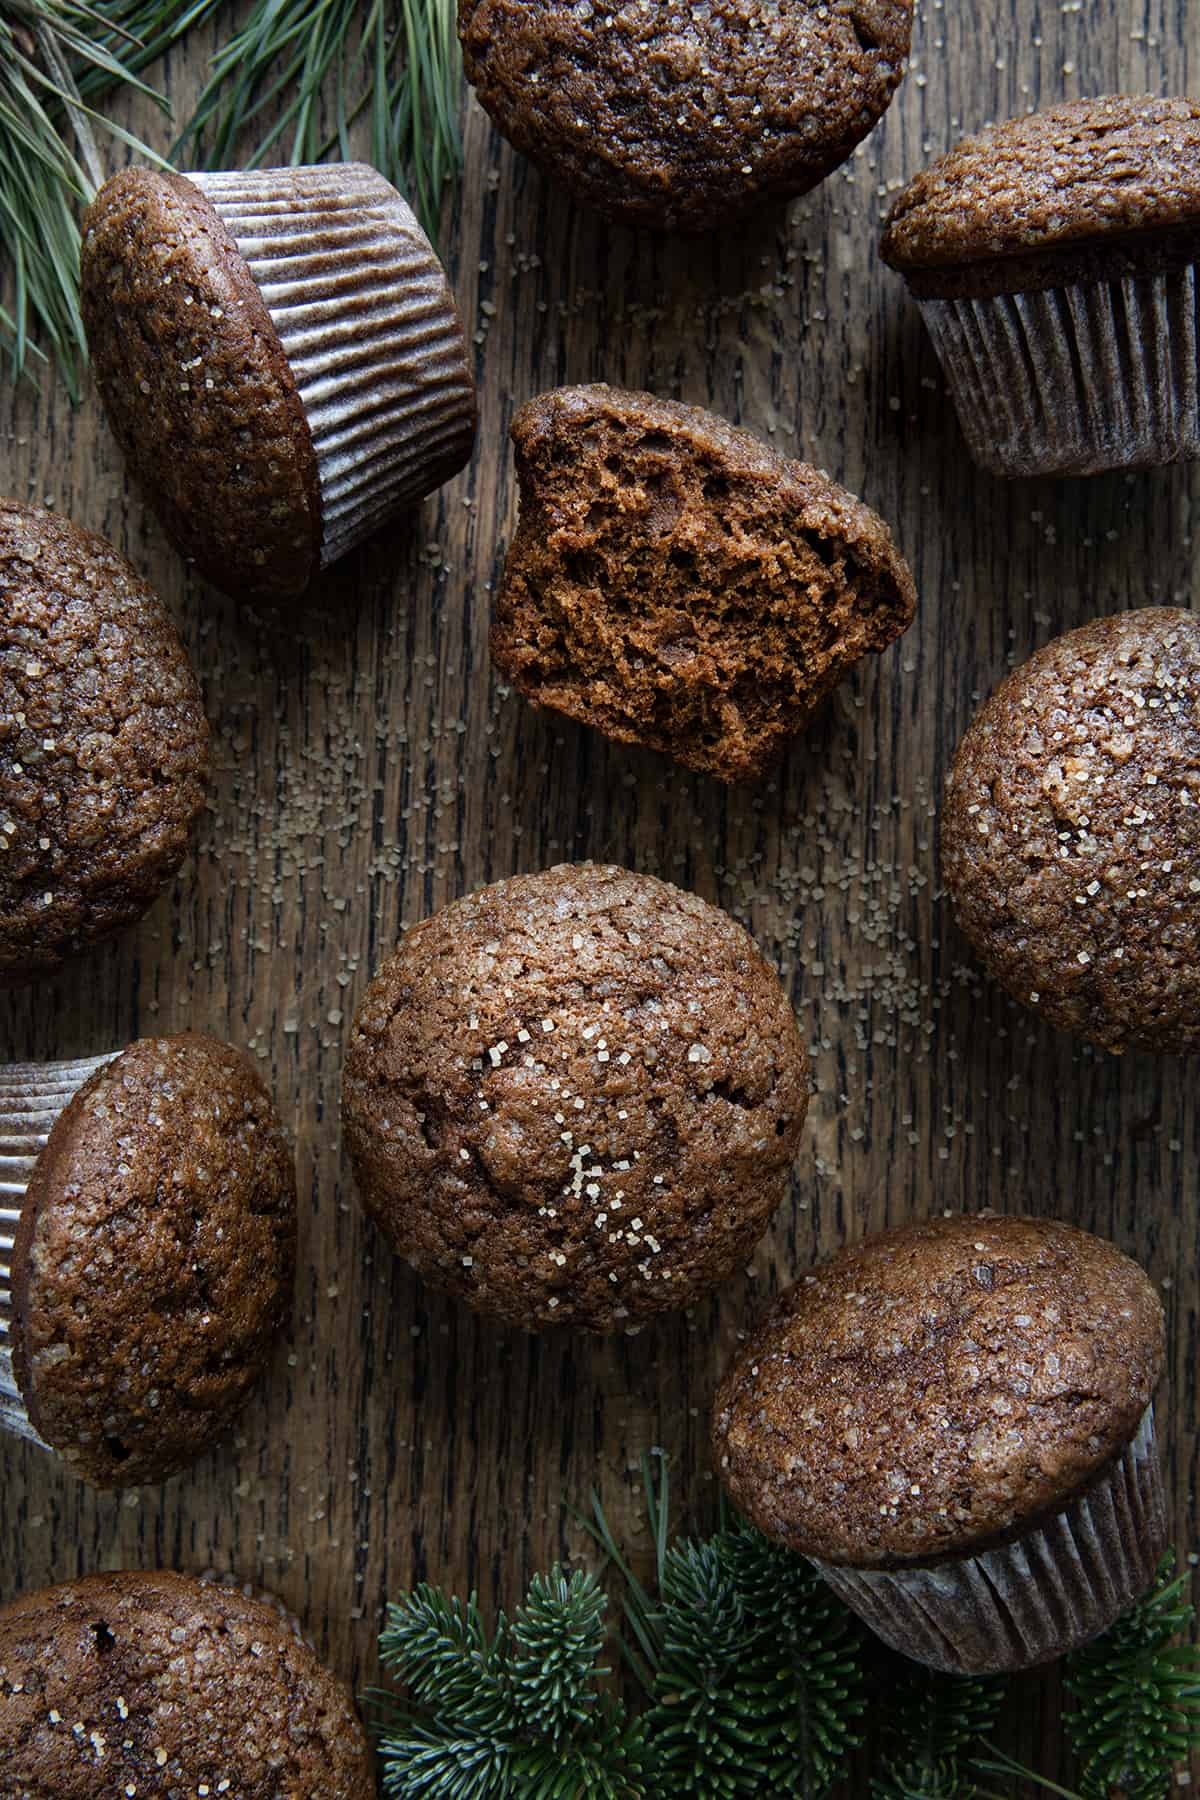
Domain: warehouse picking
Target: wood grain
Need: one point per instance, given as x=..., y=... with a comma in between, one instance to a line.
x=368, y=769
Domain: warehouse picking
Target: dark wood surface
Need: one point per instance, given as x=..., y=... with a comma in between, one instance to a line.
x=368, y=768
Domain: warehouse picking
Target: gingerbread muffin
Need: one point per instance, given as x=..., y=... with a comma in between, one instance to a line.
x=103, y=743
x=574, y=1098
x=1071, y=832
x=676, y=584
x=953, y=1421
x=158, y=1685
x=679, y=116
x=1054, y=260
x=147, y=1252
x=280, y=358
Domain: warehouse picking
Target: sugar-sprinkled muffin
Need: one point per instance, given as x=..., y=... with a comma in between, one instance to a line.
x=675, y=583
x=104, y=748
x=147, y=1255
x=280, y=357
x=575, y=1097
x=1054, y=259
x=1070, y=832
x=160, y=1686
x=679, y=116
x=953, y=1421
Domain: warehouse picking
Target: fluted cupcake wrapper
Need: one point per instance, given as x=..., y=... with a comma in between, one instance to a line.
x=1088, y=376
x=1032, y=1600
x=368, y=323
x=32, y=1095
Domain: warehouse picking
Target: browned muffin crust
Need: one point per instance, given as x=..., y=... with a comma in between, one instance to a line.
x=681, y=116
x=154, y=1259
x=161, y=1686
x=1095, y=170
x=1071, y=832
x=103, y=743
x=938, y=1388
x=196, y=385
x=676, y=584
x=574, y=1098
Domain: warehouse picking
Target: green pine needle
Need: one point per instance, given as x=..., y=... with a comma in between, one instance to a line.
x=56, y=58
x=1137, y=1696
x=931, y=1727
x=291, y=82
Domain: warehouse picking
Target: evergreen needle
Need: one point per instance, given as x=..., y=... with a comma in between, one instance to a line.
x=292, y=81
x=56, y=58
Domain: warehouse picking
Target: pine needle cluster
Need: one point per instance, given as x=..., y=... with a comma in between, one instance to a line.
x=754, y=1681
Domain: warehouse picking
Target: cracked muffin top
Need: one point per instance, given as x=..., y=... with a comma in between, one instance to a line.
x=575, y=1097
x=1070, y=832
x=104, y=747
x=679, y=115
x=937, y=1388
x=1086, y=169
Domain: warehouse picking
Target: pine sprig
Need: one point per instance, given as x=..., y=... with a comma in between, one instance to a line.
x=519, y=1715
x=289, y=85
x=56, y=58
x=931, y=1728
x=1137, y=1694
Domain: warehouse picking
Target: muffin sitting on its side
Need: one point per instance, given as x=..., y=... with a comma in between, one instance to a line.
x=574, y=1098
x=1071, y=832
x=953, y=1421
x=1054, y=258
x=103, y=743
x=160, y=1686
x=280, y=358
x=680, y=116
x=677, y=584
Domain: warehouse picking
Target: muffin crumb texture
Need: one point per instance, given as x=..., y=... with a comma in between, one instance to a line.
x=1071, y=832
x=154, y=1260
x=681, y=116
x=103, y=743
x=1084, y=169
x=676, y=584
x=574, y=1098
x=160, y=1686
x=938, y=1388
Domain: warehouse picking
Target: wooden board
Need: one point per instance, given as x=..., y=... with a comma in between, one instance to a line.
x=368, y=769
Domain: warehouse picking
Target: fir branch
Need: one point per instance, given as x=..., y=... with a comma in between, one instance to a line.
x=56, y=57
x=296, y=76
x=931, y=1729
x=521, y=1714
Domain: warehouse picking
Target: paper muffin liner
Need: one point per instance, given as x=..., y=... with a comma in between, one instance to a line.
x=1088, y=376
x=1032, y=1600
x=368, y=323
x=32, y=1095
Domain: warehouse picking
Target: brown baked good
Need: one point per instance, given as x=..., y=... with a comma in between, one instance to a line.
x=681, y=116
x=575, y=1097
x=280, y=358
x=162, y=1686
x=103, y=743
x=1085, y=174
x=952, y=1420
x=677, y=584
x=1071, y=832
x=153, y=1255
x=1054, y=260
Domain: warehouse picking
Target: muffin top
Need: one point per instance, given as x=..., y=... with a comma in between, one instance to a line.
x=677, y=115
x=575, y=1097
x=675, y=583
x=1071, y=832
x=158, y=1685
x=938, y=1388
x=153, y=1264
x=1084, y=169
x=196, y=385
x=103, y=743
